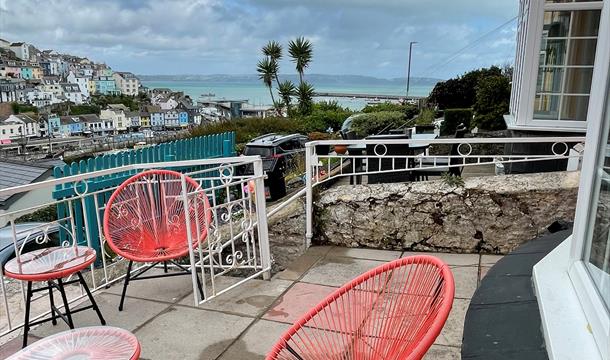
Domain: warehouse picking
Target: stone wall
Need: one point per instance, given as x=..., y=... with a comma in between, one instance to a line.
x=488, y=214
x=287, y=234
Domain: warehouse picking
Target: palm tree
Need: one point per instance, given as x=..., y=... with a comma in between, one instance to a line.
x=305, y=94
x=286, y=89
x=273, y=51
x=301, y=52
x=266, y=69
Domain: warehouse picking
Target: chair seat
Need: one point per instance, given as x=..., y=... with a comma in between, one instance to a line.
x=50, y=263
x=95, y=342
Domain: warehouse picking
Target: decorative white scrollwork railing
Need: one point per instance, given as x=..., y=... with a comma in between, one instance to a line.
x=237, y=238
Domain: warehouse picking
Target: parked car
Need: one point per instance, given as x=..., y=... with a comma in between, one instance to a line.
x=26, y=233
x=278, y=153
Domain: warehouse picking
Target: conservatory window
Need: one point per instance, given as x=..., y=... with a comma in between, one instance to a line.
x=565, y=64
x=597, y=240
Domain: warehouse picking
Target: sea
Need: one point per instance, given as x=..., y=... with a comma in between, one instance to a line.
x=258, y=94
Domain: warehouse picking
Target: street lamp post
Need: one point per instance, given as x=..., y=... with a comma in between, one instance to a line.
x=409, y=66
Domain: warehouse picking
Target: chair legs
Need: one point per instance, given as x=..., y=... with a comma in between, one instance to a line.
x=129, y=277
x=125, y=283
x=66, y=315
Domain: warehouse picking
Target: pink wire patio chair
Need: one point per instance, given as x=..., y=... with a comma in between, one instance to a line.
x=394, y=311
x=145, y=221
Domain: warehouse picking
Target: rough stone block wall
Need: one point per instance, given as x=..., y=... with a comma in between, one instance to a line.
x=491, y=214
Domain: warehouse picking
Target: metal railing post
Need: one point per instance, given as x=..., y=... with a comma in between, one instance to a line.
x=189, y=237
x=308, y=195
x=261, y=214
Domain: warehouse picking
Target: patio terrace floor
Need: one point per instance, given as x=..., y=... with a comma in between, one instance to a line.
x=245, y=322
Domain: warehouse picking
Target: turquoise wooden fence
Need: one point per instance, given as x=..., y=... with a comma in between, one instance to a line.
x=203, y=147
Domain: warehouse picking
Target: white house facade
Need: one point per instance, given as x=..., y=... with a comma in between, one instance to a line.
x=127, y=82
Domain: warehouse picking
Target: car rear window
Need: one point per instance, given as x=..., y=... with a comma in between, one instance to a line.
x=258, y=150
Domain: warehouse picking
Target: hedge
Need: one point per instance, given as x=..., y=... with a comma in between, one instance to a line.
x=453, y=118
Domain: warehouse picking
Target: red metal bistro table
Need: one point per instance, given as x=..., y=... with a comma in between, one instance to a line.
x=51, y=265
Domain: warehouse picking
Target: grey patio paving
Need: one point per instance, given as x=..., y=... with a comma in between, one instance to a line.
x=245, y=322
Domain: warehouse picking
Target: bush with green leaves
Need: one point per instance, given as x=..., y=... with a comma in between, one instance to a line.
x=453, y=118
x=492, y=102
x=249, y=128
x=408, y=109
x=324, y=115
x=460, y=92
x=23, y=108
x=373, y=123
x=426, y=117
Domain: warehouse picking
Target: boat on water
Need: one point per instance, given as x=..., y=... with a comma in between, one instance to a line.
x=207, y=95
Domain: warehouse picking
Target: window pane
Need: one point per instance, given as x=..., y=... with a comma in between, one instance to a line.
x=574, y=108
x=597, y=254
x=585, y=22
x=553, y=52
x=546, y=107
x=556, y=23
x=578, y=81
x=582, y=51
x=549, y=80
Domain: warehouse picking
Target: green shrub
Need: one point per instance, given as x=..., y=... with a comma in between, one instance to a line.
x=492, y=102
x=84, y=109
x=247, y=129
x=409, y=110
x=426, y=117
x=46, y=214
x=455, y=117
x=372, y=123
x=23, y=108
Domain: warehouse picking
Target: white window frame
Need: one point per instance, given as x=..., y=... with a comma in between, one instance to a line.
x=524, y=115
x=593, y=307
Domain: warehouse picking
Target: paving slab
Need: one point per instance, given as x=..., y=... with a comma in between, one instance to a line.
x=452, y=332
x=490, y=260
x=297, y=301
x=256, y=342
x=362, y=253
x=450, y=259
x=466, y=281
x=129, y=319
x=440, y=352
x=319, y=250
x=483, y=272
x=250, y=298
x=336, y=271
x=169, y=289
x=185, y=333
x=10, y=347
x=298, y=267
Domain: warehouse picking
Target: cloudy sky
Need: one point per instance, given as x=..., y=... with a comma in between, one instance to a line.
x=363, y=37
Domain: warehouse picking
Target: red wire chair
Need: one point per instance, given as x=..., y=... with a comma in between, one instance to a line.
x=394, y=311
x=145, y=221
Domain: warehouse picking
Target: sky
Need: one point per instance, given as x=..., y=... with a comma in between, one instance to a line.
x=357, y=37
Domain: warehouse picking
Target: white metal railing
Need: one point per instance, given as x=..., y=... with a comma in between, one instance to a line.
x=237, y=237
x=237, y=234
x=414, y=157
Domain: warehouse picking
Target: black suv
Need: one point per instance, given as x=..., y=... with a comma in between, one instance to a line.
x=278, y=153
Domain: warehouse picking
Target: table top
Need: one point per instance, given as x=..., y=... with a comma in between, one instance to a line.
x=87, y=343
x=49, y=263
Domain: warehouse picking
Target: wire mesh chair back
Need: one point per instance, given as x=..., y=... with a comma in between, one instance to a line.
x=145, y=218
x=394, y=311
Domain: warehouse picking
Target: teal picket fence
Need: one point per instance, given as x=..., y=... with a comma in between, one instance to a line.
x=84, y=209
